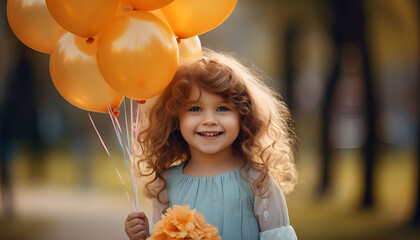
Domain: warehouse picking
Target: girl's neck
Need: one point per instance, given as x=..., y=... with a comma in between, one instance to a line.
x=204, y=165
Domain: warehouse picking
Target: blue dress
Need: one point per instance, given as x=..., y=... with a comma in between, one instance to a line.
x=225, y=200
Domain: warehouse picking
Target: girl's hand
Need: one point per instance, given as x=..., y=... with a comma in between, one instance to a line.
x=137, y=226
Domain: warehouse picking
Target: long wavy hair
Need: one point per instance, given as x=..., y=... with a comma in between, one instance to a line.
x=265, y=139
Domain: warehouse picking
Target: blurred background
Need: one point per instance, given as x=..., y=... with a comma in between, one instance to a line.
x=348, y=70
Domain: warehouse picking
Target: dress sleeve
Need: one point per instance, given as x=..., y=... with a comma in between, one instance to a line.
x=272, y=215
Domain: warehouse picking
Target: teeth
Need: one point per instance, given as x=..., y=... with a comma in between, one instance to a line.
x=209, y=134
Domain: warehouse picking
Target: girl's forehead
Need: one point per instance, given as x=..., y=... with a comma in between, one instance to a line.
x=197, y=94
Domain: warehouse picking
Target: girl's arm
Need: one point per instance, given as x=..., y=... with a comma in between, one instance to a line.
x=272, y=215
x=159, y=208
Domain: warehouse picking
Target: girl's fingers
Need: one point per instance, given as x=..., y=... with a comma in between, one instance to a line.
x=137, y=229
x=134, y=215
x=137, y=226
x=144, y=217
x=135, y=222
x=140, y=235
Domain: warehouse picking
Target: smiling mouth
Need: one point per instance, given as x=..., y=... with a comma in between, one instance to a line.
x=210, y=134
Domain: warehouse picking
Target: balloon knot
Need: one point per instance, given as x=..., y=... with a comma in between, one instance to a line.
x=116, y=113
x=90, y=40
x=141, y=101
x=178, y=40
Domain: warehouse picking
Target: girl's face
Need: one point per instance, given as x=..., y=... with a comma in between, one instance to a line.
x=208, y=124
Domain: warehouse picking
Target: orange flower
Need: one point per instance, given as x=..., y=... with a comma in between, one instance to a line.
x=183, y=223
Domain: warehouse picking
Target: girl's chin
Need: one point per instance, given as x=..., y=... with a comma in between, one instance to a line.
x=209, y=151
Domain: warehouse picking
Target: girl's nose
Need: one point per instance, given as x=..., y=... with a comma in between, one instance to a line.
x=209, y=118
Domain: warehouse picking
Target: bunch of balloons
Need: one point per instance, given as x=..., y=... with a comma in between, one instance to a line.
x=103, y=50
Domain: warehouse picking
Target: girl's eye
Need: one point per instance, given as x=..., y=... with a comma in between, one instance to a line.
x=195, y=109
x=222, y=109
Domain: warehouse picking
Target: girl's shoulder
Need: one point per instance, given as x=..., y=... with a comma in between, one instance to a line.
x=174, y=170
x=252, y=173
x=269, y=185
x=177, y=167
x=168, y=173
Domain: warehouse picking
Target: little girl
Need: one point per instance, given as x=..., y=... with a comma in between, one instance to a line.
x=219, y=140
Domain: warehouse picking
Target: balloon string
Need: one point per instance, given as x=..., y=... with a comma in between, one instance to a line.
x=113, y=115
x=129, y=200
x=130, y=150
x=131, y=154
x=122, y=147
x=124, y=183
x=115, y=128
x=137, y=121
x=137, y=126
x=118, y=173
x=139, y=102
x=137, y=185
x=131, y=121
x=99, y=135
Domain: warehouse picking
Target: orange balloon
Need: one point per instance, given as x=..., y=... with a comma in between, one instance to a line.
x=190, y=47
x=126, y=3
x=33, y=24
x=75, y=74
x=84, y=18
x=137, y=55
x=189, y=18
x=158, y=13
x=148, y=5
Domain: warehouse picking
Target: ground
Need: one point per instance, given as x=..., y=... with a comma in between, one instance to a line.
x=60, y=207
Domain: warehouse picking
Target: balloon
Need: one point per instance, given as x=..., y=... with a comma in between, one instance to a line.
x=85, y=18
x=194, y=17
x=33, y=24
x=126, y=3
x=147, y=5
x=76, y=76
x=137, y=55
x=158, y=13
x=190, y=47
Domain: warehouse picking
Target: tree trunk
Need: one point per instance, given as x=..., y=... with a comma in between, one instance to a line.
x=416, y=216
x=326, y=147
x=349, y=28
x=290, y=70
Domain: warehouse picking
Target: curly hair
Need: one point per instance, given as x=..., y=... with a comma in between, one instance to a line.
x=265, y=139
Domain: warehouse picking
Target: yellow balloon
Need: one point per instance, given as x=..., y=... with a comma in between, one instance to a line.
x=148, y=5
x=33, y=24
x=76, y=76
x=84, y=18
x=189, y=18
x=137, y=55
x=190, y=47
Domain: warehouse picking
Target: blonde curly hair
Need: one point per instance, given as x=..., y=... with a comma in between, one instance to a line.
x=265, y=139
